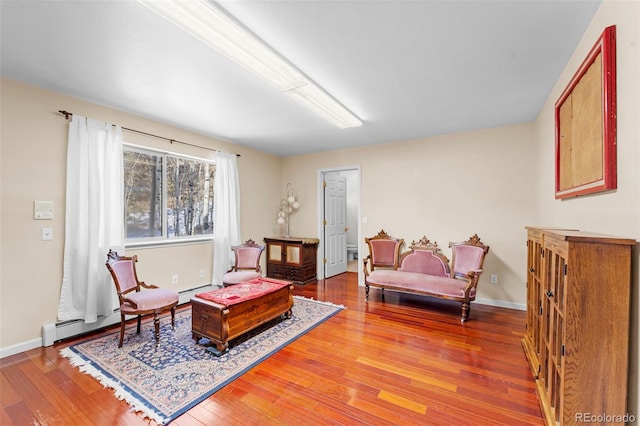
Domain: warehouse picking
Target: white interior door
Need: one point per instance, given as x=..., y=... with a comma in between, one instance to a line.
x=335, y=224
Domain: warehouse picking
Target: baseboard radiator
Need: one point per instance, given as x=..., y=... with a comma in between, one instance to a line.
x=54, y=332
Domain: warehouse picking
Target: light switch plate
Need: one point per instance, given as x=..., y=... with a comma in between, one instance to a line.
x=43, y=210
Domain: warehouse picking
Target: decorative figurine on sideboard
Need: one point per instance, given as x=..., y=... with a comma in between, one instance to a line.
x=287, y=207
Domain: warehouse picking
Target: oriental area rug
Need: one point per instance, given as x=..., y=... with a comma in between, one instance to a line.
x=165, y=382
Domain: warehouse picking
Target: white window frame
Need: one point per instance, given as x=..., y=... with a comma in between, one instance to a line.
x=164, y=239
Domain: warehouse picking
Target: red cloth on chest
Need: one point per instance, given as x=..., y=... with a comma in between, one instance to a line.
x=242, y=292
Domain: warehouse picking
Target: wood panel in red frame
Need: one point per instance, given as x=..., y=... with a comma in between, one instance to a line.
x=585, y=118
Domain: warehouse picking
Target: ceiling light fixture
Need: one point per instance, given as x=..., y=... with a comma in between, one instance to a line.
x=217, y=29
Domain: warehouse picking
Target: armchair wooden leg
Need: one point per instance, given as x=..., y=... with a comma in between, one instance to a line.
x=156, y=326
x=466, y=307
x=139, y=321
x=173, y=317
x=121, y=330
x=366, y=293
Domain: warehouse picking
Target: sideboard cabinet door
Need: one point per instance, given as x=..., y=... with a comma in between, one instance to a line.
x=531, y=341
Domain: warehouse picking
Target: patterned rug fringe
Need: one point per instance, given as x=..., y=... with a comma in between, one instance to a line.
x=319, y=301
x=120, y=393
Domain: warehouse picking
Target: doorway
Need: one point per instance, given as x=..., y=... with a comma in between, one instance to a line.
x=339, y=248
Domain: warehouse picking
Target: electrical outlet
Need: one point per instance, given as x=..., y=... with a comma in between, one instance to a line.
x=202, y=273
x=494, y=279
x=47, y=234
x=174, y=279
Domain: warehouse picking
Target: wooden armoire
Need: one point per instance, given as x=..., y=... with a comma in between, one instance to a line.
x=577, y=331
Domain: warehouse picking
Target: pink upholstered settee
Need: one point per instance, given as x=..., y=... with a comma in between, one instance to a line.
x=424, y=269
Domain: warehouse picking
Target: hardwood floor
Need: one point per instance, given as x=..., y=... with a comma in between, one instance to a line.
x=406, y=360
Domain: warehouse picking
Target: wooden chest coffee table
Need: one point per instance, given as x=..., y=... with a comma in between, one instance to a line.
x=224, y=314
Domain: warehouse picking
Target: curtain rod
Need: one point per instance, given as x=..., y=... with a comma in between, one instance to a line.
x=68, y=114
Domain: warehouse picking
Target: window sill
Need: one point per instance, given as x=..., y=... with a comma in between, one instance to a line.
x=168, y=242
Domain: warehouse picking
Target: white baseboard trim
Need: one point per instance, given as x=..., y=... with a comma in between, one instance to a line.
x=501, y=304
x=20, y=347
x=54, y=332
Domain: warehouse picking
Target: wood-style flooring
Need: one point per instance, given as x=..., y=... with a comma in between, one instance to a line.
x=405, y=360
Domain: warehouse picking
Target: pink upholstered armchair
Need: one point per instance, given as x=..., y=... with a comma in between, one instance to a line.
x=136, y=297
x=247, y=264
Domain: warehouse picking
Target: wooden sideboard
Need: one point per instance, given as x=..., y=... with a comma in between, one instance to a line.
x=292, y=259
x=577, y=331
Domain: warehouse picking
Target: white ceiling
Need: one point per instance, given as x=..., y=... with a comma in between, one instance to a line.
x=408, y=69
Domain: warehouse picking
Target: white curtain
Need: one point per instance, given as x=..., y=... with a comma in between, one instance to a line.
x=94, y=219
x=226, y=206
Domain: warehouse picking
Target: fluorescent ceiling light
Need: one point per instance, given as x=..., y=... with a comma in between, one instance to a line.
x=320, y=102
x=218, y=30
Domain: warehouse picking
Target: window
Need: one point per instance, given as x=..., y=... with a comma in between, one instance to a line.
x=166, y=196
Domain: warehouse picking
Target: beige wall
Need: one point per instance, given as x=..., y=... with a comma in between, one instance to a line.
x=616, y=212
x=33, y=167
